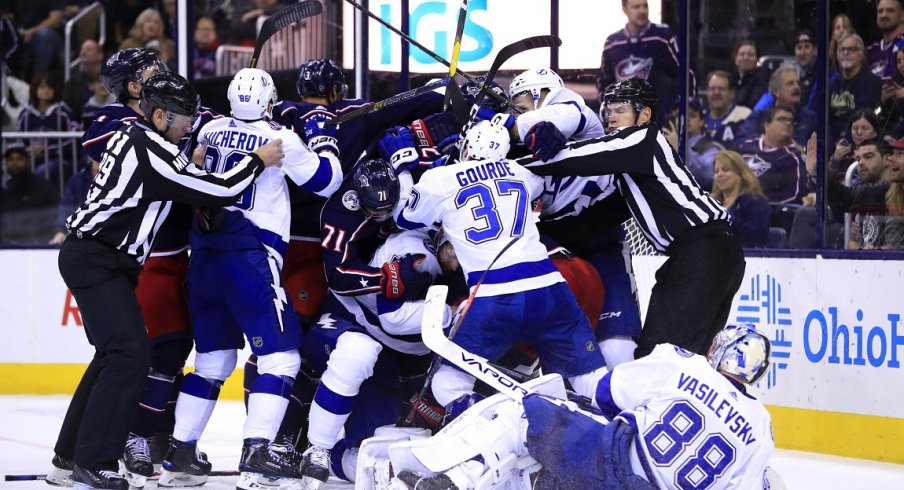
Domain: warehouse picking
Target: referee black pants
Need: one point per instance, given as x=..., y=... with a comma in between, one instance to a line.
x=103, y=280
x=694, y=289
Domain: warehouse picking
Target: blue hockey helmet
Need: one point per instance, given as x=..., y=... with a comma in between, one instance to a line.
x=319, y=77
x=127, y=65
x=470, y=90
x=741, y=351
x=377, y=186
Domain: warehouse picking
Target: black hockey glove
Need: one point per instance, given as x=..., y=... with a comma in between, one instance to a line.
x=544, y=140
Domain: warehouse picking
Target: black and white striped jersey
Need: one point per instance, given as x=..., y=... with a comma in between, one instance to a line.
x=140, y=175
x=660, y=191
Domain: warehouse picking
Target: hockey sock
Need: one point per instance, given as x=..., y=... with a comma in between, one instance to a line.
x=194, y=406
x=152, y=404
x=267, y=404
x=250, y=376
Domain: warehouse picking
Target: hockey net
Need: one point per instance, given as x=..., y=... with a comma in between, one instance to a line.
x=638, y=243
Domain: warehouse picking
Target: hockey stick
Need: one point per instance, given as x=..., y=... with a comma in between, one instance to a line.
x=281, y=19
x=434, y=366
x=480, y=368
x=507, y=52
x=395, y=99
x=456, y=47
x=44, y=477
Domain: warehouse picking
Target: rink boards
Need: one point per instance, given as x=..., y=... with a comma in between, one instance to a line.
x=835, y=384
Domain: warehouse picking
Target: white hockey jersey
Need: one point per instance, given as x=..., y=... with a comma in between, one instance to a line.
x=266, y=202
x=483, y=205
x=567, y=111
x=396, y=324
x=697, y=429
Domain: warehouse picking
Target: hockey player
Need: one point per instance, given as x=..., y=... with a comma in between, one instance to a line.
x=483, y=204
x=366, y=336
x=111, y=235
x=675, y=215
x=671, y=420
x=241, y=251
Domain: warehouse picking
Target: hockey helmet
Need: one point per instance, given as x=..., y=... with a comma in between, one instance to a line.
x=486, y=141
x=740, y=350
x=251, y=94
x=127, y=65
x=170, y=92
x=470, y=90
x=377, y=186
x=637, y=91
x=319, y=77
x=534, y=82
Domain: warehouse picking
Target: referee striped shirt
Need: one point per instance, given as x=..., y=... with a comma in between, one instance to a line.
x=660, y=191
x=140, y=176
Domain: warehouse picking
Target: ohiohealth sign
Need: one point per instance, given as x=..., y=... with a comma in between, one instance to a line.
x=491, y=24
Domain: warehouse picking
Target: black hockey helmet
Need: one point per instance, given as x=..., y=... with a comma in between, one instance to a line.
x=170, y=92
x=377, y=186
x=635, y=90
x=470, y=90
x=318, y=78
x=127, y=65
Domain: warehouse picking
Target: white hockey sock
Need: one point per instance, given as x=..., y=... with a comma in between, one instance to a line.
x=617, y=350
x=449, y=383
x=196, y=400
x=265, y=414
x=585, y=384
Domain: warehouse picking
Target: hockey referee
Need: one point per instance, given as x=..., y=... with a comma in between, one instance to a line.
x=691, y=299
x=141, y=173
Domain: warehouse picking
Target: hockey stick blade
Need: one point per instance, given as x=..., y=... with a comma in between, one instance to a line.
x=480, y=368
x=44, y=476
x=280, y=20
x=395, y=99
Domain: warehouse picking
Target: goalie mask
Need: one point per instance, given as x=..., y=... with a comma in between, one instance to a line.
x=486, y=141
x=534, y=82
x=251, y=95
x=740, y=350
x=377, y=187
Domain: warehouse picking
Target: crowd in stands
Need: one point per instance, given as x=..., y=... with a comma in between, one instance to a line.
x=766, y=117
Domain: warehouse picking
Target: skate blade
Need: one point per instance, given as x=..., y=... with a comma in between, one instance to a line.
x=170, y=479
x=59, y=478
x=257, y=481
x=135, y=480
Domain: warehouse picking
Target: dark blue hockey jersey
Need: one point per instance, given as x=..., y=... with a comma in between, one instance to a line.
x=781, y=171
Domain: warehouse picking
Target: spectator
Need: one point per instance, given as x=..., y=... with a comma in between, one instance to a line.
x=866, y=199
x=738, y=190
x=243, y=19
x=805, y=58
x=28, y=201
x=775, y=159
x=723, y=117
x=39, y=23
x=205, y=48
x=74, y=195
x=891, y=112
x=148, y=33
x=893, y=234
x=641, y=50
x=753, y=80
x=76, y=91
x=856, y=88
x=862, y=126
x=701, y=149
x=100, y=97
x=841, y=26
x=890, y=21
x=784, y=85
x=46, y=112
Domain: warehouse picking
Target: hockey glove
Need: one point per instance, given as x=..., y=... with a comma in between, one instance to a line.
x=397, y=146
x=402, y=281
x=544, y=140
x=479, y=113
x=209, y=219
x=320, y=137
x=424, y=412
x=438, y=131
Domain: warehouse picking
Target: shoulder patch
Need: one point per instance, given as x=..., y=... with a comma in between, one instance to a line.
x=683, y=353
x=428, y=244
x=350, y=201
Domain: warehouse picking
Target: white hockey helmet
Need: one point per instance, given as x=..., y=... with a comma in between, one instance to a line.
x=534, y=81
x=486, y=141
x=740, y=350
x=250, y=94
